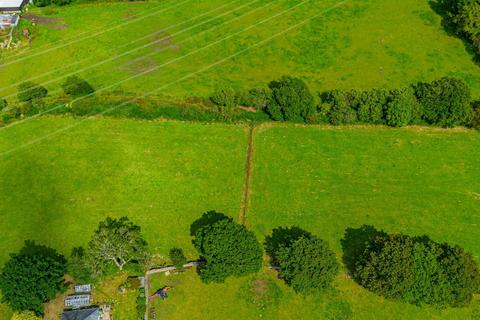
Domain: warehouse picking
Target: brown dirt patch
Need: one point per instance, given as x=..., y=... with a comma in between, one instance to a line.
x=50, y=22
x=164, y=40
x=139, y=65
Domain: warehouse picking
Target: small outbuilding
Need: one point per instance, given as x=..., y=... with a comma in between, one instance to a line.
x=12, y=5
x=83, y=314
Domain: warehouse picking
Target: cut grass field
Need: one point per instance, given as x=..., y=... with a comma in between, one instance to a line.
x=164, y=175
x=360, y=44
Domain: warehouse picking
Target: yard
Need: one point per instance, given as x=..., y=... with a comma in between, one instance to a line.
x=164, y=175
x=360, y=44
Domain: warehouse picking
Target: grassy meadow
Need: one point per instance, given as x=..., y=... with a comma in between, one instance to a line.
x=164, y=175
x=359, y=44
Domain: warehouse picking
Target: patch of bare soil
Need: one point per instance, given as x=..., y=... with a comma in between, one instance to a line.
x=164, y=40
x=139, y=65
x=50, y=22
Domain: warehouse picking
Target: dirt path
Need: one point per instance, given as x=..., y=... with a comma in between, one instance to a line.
x=248, y=175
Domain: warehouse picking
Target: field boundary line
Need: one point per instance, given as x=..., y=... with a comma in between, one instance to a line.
x=190, y=75
x=248, y=174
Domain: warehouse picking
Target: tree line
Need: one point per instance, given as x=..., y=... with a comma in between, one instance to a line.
x=446, y=102
x=414, y=270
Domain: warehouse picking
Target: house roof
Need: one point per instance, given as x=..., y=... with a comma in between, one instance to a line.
x=84, y=314
x=6, y=5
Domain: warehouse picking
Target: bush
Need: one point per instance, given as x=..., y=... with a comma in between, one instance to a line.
x=77, y=87
x=178, y=258
x=476, y=115
x=44, y=3
x=224, y=97
x=3, y=104
x=256, y=98
x=228, y=248
x=402, y=109
x=25, y=315
x=337, y=106
x=371, y=105
x=32, y=277
x=418, y=270
x=307, y=265
x=291, y=100
x=29, y=91
x=445, y=102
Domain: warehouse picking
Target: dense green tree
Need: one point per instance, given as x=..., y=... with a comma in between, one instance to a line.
x=118, y=241
x=371, y=105
x=224, y=97
x=307, y=264
x=291, y=100
x=228, y=248
x=29, y=91
x=337, y=105
x=402, y=109
x=77, y=87
x=32, y=277
x=178, y=258
x=445, y=102
x=417, y=270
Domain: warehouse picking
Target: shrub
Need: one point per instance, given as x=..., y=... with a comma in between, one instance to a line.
x=178, y=258
x=476, y=115
x=224, y=97
x=418, y=270
x=445, y=102
x=371, y=105
x=402, y=108
x=337, y=105
x=3, y=104
x=32, y=277
x=29, y=91
x=228, y=248
x=77, y=87
x=256, y=98
x=25, y=315
x=291, y=100
x=307, y=265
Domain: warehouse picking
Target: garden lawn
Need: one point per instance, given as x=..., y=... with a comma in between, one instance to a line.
x=162, y=175
x=414, y=181
x=360, y=44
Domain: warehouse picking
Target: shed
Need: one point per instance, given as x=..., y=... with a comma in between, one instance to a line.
x=83, y=288
x=12, y=5
x=8, y=20
x=77, y=301
x=83, y=314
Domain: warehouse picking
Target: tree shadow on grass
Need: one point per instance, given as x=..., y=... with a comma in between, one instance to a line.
x=283, y=237
x=354, y=243
x=208, y=218
x=449, y=27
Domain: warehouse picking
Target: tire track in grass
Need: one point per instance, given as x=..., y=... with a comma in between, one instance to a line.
x=248, y=174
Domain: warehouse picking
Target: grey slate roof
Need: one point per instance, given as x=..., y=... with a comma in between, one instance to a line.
x=83, y=314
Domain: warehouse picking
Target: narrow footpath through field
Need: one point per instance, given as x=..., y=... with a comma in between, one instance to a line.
x=248, y=174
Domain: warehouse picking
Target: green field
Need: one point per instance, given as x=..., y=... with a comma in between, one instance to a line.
x=360, y=44
x=164, y=175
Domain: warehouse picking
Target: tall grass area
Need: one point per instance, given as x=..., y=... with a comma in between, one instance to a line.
x=360, y=44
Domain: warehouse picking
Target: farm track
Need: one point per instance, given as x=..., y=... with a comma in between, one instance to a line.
x=248, y=174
